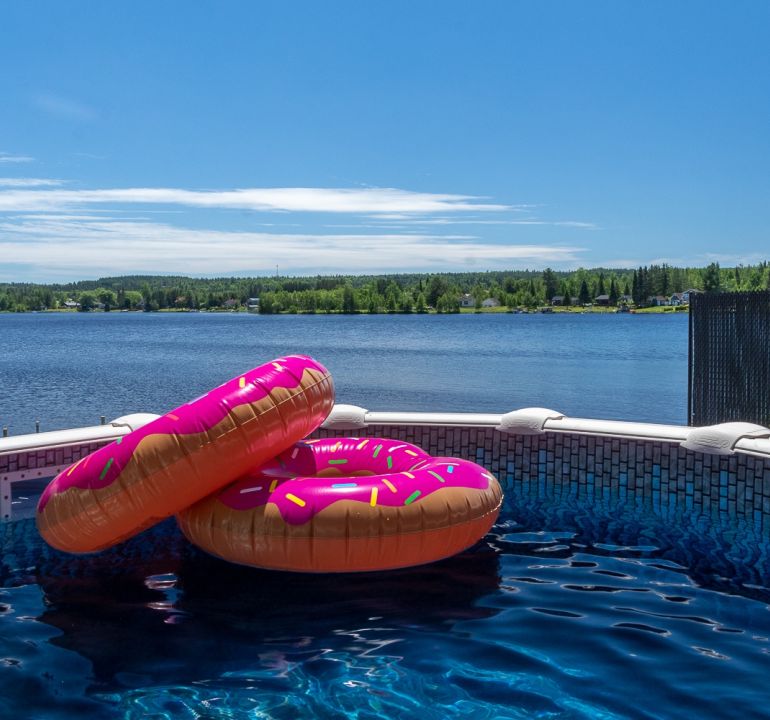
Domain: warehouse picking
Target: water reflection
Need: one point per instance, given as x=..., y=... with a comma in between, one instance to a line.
x=196, y=616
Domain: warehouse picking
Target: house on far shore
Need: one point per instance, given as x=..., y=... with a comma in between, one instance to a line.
x=677, y=299
x=558, y=300
x=252, y=305
x=625, y=300
x=689, y=293
x=603, y=300
x=491, y=302
x=467, y=300
x=658, y=301
x=71, y=304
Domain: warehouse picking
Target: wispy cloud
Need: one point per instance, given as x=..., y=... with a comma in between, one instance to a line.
x=405, y=221
x=63, y=107
x=72, y=247
x=6, y=157
x=319, y=200
x=29, y=182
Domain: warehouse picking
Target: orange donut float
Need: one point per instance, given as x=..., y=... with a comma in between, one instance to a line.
x=192, y=451
x=347, y=505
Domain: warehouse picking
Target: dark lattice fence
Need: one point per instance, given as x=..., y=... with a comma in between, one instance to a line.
x=729, y=363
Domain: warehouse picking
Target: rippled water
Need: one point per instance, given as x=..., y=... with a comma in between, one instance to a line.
x=570, y=608
x=68, y=369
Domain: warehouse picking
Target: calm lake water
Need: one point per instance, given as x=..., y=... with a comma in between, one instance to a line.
x=68, y=369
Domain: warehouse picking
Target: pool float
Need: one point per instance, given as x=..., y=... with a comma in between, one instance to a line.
x=347, y=504
x=183, y=456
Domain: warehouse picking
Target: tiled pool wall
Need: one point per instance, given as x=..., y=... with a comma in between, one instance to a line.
x=660, y=475
x=29, y=464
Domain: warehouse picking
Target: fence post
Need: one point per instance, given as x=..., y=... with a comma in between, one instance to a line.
x=728, y=370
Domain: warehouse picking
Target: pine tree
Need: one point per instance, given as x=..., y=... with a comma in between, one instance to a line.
x=584, y=295
x=712, y=281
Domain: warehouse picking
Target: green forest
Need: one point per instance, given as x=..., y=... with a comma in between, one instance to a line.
x=397, y=293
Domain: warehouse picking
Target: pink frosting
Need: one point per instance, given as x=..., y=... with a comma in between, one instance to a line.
x=403, y=474
x=102, y=467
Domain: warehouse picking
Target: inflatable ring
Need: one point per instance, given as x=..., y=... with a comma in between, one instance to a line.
x=183, y=456
x=348, y=504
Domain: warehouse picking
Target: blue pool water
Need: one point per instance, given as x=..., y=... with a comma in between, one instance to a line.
x=570, y=608
x=68, y=369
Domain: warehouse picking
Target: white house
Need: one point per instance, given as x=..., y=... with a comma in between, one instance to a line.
x=467, y=300
x=491, y=302
x=676, y=299
x=687, y=293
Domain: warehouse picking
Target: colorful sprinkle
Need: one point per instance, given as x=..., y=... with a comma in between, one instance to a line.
x=69, y=472
x=411, y=452
x=119, y=440
x=251, y=489
x=242, y=382
x=389, y=485
x=273, y=485
x=396, y=447
x=294, y=454
x=337, y=462
x=390, y=463
x=377, y=451
x=412, y=497
x=172, y=416
x=361, y=444
x=436, y=475
x=373, y=498
x=278, y=367
x=409, y=475
x=295, y=500
x=106, y=468
x=336, y=447
x=450, y=469
x=345, y=485
x=414, y=467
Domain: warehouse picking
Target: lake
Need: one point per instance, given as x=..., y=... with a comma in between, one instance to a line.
x=68, y=369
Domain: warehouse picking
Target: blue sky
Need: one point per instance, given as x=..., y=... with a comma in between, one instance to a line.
x=234, y=137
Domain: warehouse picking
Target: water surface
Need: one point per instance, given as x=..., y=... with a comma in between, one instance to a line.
x=68, y=369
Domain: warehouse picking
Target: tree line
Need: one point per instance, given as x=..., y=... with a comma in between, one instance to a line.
x=396, y=293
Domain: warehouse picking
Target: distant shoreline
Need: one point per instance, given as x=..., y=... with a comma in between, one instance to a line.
x=600, y=310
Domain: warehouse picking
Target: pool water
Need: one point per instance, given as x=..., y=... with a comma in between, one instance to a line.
x=570, y=608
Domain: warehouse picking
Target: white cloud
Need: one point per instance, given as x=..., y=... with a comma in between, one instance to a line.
x=70, y=248
x=320, y=200
x=28, y=182
x=6, y=157
x=405, y=221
